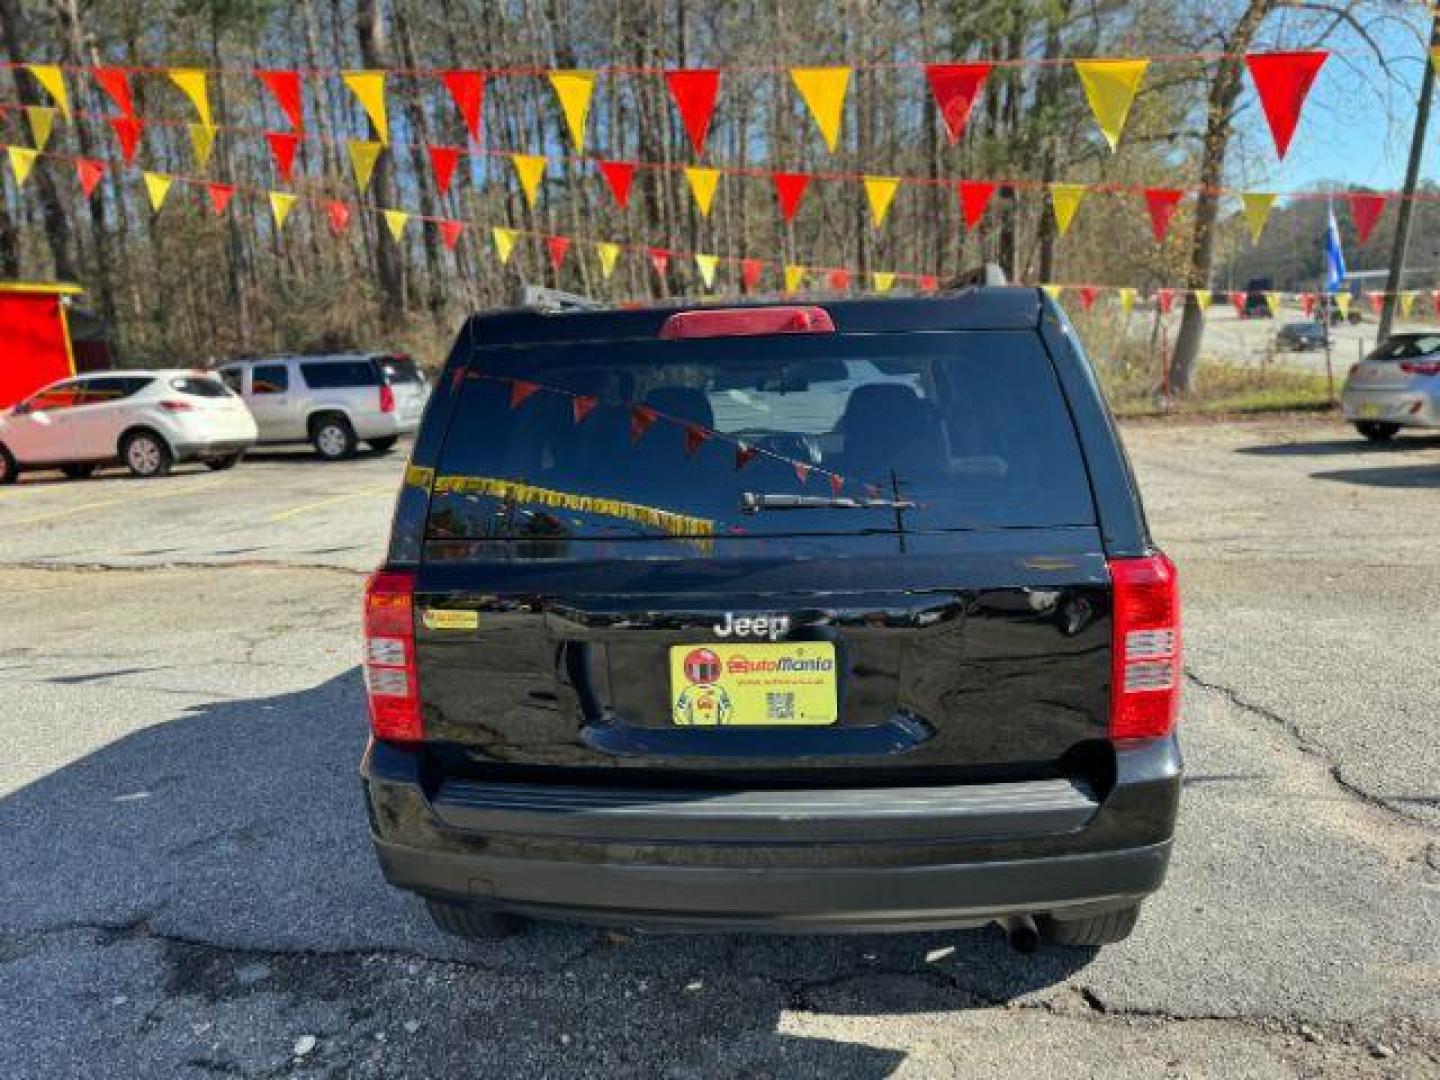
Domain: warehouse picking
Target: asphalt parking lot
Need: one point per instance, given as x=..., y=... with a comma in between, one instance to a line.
x=186, y=887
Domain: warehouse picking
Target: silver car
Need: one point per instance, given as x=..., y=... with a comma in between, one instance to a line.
x=333, y=402
x=1397, y=385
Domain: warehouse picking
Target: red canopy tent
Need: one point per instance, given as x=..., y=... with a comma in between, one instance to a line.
x=35, y=347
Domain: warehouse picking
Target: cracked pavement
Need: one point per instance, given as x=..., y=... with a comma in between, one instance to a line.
x=186, y=887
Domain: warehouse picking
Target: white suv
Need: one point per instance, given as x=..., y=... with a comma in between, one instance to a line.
x=332, y=402
x=146, y=419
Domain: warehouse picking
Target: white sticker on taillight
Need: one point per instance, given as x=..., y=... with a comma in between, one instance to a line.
x=387, y=682
x=1144, y=644
x=388, y=651
x=1149, y=676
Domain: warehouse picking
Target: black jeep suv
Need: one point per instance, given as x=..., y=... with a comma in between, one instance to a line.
x=783, y=617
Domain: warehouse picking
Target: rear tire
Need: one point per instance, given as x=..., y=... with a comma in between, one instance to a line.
x=220, y=464
x=384, y=445
x=1376, y=431
x=473, y=923
x=333, y=438
x=145, y=454
x=1104, y=929
x=9, y=471
x=78, y=472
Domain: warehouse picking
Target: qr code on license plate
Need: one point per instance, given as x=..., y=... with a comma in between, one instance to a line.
x=780, y=706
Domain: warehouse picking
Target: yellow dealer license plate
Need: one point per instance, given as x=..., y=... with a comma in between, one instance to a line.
x=768, y=685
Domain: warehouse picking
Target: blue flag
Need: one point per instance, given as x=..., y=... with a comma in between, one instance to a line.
x=1334, y=256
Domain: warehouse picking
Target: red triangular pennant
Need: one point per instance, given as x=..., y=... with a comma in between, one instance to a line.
x=975, y=196
x=339, y=215
x=557, y=246
x=582, y=405
x=450, y=233
x=520, y=390
x=837, y=482
x=744, y=454
x=89, y=173
x=116, y=83
x=1307, y=302
x=694, y=95
x=660, y=259
x=641, y=417
x=802, y=471
x=1088, y=295
x=127, y=131
x=1282, y=82
x=467, y=88
x=1365, y=211
x=1166, y=297
x=618, y=174
x=789, y=190
x=443, y=160
x=750, y=272
x=956, y=87
x=929, y=283
x=282, y=148
x=1377, y=301
x=284, y=86
x=839, y=280
x=1161, y=202
x=1237, y=300
x=220, y=196
x=695, y=437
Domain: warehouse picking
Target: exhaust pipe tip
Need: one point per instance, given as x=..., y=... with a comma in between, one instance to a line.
x=1021, y=932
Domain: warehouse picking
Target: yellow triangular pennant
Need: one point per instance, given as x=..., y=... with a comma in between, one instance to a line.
x=883, y=280
x=1257, y=206
x=702, y=185
x=1053, y=291
x=22, y=161
x=194, y=85
x=706, y=265
x=1342, y=303
x=1407, y=304
x=880, y=191
x=42, y=123
x=530, y=168
x=395, y=221
x=1127, y=300
x=280, y=205
x=202, y=141
x=794, y=277
x=574, y=89
x=1435, y=59
x=1110, y=87
x=157, y=186
x=369, y=89
x=1272, y=300
x=52, y=78
x=1202, y=298
x=504, y=243
x=824, y=91
x=1065, y=200
x=608, y=253
x=363, y=156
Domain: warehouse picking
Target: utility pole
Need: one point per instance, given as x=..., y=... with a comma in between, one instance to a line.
x=1395, y=277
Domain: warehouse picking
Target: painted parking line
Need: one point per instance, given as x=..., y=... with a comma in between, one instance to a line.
x=100, y=504
x=320, y=504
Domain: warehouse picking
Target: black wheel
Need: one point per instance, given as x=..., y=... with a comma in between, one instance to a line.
x=333, y=438
x=9, y=471
x=1376, y=431
x=78, y=472
x=220, y=464
x=385, y=445
x=473, y=923
x=145, y=454
x=1103, y=929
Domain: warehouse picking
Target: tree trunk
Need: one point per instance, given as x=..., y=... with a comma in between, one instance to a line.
x=389, y=256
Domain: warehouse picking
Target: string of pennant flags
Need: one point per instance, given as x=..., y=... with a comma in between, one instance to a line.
x=530, y=170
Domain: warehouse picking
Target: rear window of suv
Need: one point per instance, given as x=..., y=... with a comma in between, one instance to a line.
x=200, y=386
x=338, y=374
x=401, y=369
x=929, y=432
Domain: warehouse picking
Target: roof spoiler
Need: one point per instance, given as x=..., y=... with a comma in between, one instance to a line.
x=539, y=298
x=988, y=275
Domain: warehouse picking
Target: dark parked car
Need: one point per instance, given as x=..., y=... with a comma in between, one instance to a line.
x=778, y=617
x=1301, y=336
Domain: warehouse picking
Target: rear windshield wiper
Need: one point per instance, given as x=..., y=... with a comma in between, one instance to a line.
x=752, y=502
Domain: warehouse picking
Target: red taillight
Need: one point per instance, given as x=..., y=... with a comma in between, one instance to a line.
x=747, y=322
x=1145, y=648
x=391, y=687
x=1420, y=367
x=177, y=406
x=387, y=398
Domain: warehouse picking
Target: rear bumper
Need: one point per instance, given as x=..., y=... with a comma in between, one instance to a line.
x=1404, y=406
x=860, y=860
x=212, y=448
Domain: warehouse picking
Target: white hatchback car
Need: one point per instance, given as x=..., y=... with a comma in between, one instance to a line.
x=147, y=420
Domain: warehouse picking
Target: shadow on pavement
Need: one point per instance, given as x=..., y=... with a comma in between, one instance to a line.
x=1397, y=476
x=1342, y=444
x=240, y=825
